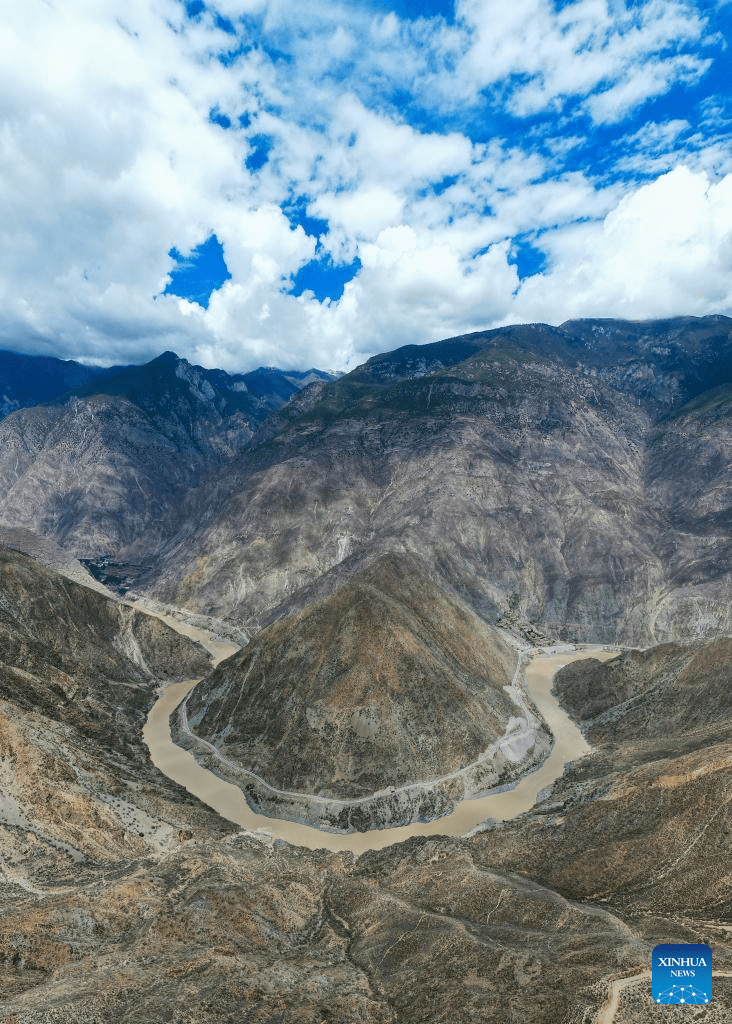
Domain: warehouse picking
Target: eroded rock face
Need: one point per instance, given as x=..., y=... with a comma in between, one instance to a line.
x=388, y=683
x=535, y=470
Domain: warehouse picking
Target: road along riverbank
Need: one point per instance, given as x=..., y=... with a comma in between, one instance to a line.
x=228, y=800
x=523, y=747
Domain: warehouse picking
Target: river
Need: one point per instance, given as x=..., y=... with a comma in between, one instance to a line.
x=228, y=800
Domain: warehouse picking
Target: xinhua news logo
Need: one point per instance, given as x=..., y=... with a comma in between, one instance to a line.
x=682, y=973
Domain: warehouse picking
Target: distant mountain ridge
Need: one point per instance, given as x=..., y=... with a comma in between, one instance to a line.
x=688, y=355
x=31, y=380
x=571, y=481
x=113, y=464
x=28, y=380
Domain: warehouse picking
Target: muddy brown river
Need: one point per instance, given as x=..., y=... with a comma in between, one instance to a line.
x=225, y=798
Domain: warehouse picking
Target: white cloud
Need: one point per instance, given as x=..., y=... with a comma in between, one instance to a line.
x=664, y=250
x=655, y=136
x=260, y=246
x=547, y=53
x=108, y=160
x=237, y=8
x=652, y=79
x=361, y=213
x=397, y=152
x=428, y=289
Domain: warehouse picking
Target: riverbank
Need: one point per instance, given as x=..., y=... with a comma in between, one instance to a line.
x=228, y=800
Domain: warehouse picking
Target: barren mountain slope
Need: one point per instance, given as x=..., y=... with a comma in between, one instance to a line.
x=645, y=822
x=688, y=474
x=536, y=470
x=78, y=673
x=526, y=475
x=225, y=931
x=112, y=467
x=388, y=682
x=126, y=902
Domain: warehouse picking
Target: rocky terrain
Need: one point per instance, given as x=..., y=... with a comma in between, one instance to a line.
x=125, y=900
x=389, y=693
x=644, y=824
x=78, y=673
x=369, y=533
x=111, y=469
x=534, y=470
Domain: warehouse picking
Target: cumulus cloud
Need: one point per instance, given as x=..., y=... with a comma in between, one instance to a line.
x=666, y=248
x=422, y=148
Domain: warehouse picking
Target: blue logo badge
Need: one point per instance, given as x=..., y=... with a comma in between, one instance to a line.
x=682, y=973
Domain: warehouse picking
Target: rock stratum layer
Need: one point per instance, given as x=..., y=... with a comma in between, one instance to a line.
x=380, y=704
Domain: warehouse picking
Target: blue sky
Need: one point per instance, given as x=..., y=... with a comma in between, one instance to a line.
x=258, y=182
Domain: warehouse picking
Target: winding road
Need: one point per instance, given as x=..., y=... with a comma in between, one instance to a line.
x=228, y=800
x=606, y=1013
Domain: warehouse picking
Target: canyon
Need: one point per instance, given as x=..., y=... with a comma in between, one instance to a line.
x=372, y=581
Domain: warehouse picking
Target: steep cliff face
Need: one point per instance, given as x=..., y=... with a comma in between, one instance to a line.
x=689, y=475
x=508, y=477
x=541, y=477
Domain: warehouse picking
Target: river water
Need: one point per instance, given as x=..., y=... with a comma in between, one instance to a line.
x=228, y=800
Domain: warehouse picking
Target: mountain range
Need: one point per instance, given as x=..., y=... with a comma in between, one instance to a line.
x=27, y=380
x=533, y=471
x=388, y=547
x=108, y=469
x=31, y=380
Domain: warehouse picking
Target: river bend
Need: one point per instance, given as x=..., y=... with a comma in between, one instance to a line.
x=228, y=800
